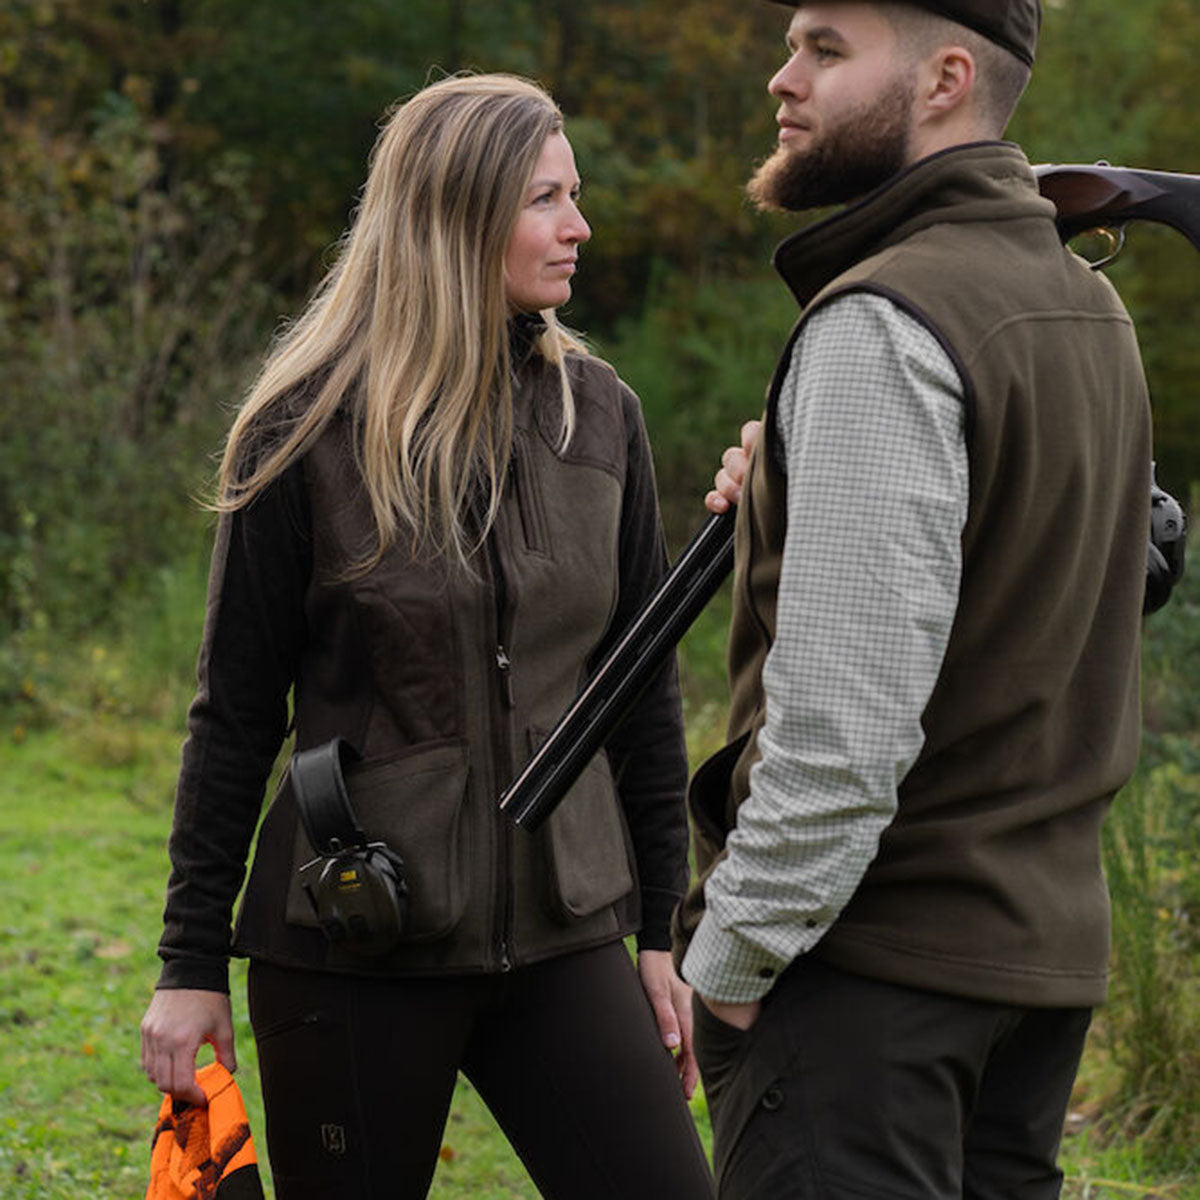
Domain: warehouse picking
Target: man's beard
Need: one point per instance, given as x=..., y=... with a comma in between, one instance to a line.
x=854, y=156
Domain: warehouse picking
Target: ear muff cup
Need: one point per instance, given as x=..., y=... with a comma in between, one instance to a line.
x=361, y=899
x=357, y=888
x=1165, y=553
x=1160, y=579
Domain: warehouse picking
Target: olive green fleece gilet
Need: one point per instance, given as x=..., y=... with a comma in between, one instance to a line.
x=446, y=680
x=987, y=884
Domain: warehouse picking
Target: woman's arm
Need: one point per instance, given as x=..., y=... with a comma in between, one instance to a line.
x=254, y=632
x=649, y=759
x=647, y=751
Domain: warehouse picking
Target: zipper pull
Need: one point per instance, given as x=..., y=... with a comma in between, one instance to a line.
x=504, y=663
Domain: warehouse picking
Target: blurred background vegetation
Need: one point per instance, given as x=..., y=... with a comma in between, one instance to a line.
x=173, y=174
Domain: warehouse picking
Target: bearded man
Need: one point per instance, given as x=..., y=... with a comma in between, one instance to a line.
x=901, y=924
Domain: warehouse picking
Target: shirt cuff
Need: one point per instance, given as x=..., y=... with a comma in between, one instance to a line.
x=657, y=906
x=208, y=975
x=720, y=965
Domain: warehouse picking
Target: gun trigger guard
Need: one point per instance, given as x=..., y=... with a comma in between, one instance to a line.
x=1116, y=243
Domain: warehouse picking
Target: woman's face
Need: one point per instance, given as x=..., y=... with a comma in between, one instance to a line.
x=541, y=255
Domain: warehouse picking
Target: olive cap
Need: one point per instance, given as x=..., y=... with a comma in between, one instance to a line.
x=1012, y=24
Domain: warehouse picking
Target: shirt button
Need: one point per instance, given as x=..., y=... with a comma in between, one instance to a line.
x=772, y=1099
x=810, y=924
x=766, y=972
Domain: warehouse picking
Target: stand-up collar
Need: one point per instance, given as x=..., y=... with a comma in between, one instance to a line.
x=983, y=181
x=524, y=328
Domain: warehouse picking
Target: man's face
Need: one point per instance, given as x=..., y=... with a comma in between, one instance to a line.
x=845, y=109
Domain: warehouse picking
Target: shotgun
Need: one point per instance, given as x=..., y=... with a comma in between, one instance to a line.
x=1097, y=198
x=1106, y=199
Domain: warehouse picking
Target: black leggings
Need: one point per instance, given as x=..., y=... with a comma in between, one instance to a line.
x=357, y=1077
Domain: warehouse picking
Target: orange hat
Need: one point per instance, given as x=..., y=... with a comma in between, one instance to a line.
x=205, y=1153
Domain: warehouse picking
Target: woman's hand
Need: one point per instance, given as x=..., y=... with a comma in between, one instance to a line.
x=178, y=1022
x=671, y=1000
x=727, y=483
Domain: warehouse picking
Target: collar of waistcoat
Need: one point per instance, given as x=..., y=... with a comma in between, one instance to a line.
x=982, y=181
x=524, y=328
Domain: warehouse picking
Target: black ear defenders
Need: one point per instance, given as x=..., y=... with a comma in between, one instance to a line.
x=1164, y=554
x=357, y=888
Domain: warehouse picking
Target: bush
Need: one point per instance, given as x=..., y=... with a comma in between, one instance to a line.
x=1150, y=1030
x=700, y=358
x=128, y=314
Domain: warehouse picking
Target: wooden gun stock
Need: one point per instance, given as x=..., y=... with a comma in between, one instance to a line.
x=1087, y=197
x=1100, y=196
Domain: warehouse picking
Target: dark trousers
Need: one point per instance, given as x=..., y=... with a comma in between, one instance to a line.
x=357, y=1077
x=847, y=1087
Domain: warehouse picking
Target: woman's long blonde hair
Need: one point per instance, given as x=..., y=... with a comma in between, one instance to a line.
x=409, y=327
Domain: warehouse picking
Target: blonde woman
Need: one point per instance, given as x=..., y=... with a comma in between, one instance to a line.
x=437, y=509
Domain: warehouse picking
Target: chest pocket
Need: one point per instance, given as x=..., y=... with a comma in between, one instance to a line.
x=530, y=500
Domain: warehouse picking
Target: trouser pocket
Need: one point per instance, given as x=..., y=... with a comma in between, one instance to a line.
x=747, y=1084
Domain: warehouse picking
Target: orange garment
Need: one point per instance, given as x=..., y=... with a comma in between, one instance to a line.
x=204, y=1153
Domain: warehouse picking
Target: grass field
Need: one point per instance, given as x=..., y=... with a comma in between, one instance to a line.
x=83, y=820
x=83, y=824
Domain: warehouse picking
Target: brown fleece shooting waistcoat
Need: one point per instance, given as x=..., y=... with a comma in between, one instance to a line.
x=987, y=883
x=445, y=683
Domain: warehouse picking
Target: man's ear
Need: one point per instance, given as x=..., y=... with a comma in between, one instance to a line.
x=947, y=79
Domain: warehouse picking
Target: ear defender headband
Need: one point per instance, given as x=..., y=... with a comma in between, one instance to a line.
x=357, y=887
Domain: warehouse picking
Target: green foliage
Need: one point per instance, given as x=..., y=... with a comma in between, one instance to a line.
x=174, y=172
x=1141, y=1081
x=1152, y=1028
x=700, y=356
x=298, y=90
x=157, y=636
x=123, y=327
x=1113, y=82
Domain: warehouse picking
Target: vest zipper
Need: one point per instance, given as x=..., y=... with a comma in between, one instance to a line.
x=502, y=745
x=504, y=665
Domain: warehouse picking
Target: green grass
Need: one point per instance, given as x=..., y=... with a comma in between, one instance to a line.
x=85, y=806
x=83, y=825
x=82, y=830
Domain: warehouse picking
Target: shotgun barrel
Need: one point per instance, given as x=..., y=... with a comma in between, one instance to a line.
x=623, y=675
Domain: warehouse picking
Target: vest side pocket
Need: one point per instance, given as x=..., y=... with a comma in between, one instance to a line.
x=414, y=803
x=585, y=845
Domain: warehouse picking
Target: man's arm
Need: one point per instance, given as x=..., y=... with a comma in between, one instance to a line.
x=871, y=426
